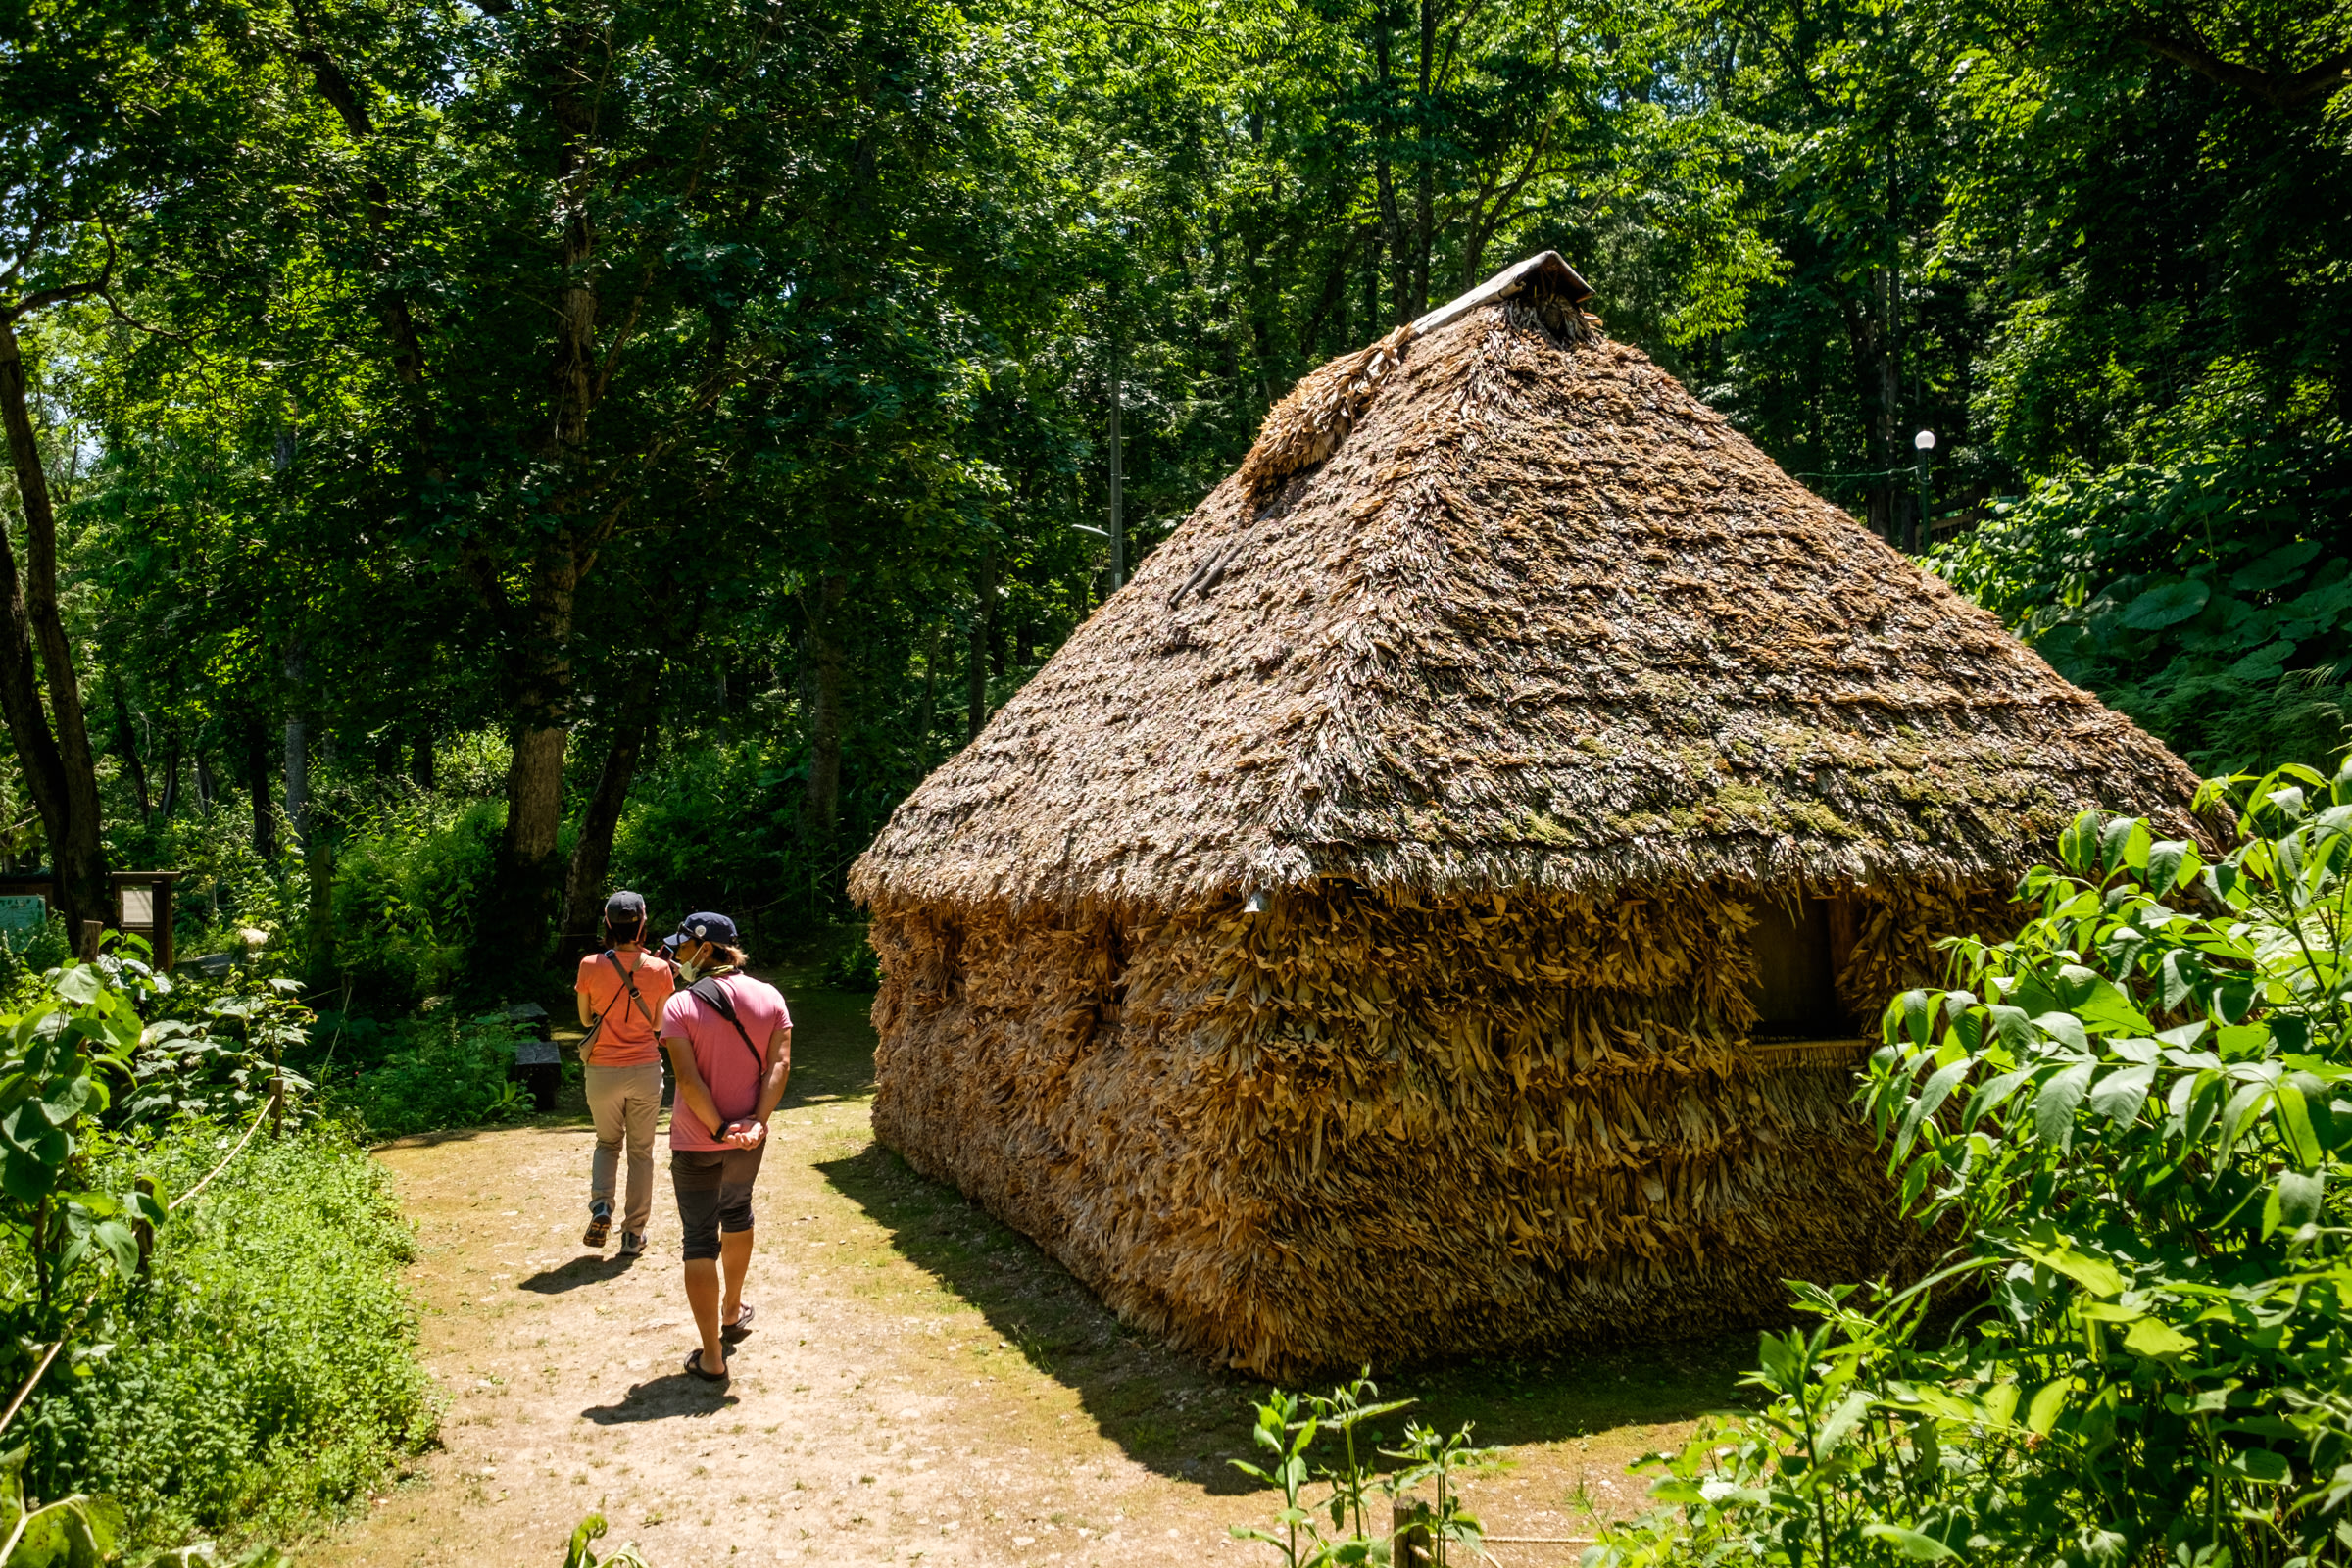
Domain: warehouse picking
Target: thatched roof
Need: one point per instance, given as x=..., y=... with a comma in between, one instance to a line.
x=1500, y=605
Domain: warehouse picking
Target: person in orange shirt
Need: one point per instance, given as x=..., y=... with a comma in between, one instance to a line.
x=621, y=992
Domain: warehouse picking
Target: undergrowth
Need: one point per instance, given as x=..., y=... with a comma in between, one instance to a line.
x=264, y=1371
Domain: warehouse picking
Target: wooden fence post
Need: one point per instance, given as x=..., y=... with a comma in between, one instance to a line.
x=1411, y=1545
x=90, y=931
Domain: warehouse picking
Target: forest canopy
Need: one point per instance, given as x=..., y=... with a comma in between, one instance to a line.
x=464, y=454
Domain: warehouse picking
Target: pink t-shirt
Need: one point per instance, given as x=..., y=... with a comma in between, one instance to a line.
x=729, y=1070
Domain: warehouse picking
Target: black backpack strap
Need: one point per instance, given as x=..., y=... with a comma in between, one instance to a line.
x=714, y=995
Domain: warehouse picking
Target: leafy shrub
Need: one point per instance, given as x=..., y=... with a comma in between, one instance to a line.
x=410, y=877
x=26, y=955
x=856, y=967
x=2138, y=1114
x=2206, y=591
x=1288, y=1428
x=216, y=1049
x=265, y=1367
x=444, y=1073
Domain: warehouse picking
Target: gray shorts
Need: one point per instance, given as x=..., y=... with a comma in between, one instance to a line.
x=715, y=1193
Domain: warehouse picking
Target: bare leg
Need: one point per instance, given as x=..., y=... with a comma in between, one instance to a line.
x=702, y=1295
x=735, y=1259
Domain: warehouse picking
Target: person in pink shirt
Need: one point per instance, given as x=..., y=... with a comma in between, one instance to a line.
x=729, y=1038
x=621, y=992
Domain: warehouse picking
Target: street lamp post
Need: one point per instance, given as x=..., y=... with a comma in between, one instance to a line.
x=1923, y=536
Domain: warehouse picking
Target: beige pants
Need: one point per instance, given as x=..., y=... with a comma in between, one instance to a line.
x=626, y=1104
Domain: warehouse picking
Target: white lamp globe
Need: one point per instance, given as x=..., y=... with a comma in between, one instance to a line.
x=1924, y=440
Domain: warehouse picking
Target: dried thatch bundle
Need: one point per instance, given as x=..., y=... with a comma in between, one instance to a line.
x=1530, y=700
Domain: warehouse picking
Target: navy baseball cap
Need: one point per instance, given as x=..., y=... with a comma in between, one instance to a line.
x=624, y=912
x=703, y=927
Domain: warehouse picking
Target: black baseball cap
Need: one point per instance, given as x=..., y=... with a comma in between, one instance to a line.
x=624, y=912
x=703, y=927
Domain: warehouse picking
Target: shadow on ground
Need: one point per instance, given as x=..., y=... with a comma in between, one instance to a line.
x=1183, y=1419
x=678, y=1396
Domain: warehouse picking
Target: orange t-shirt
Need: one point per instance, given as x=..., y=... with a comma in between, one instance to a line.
x=625, y=1036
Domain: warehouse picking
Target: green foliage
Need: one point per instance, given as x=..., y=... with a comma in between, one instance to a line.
x=2207, y=592
x=590, y=1530
x=2138, y=1115
x=60, y=1049
x=75, y=1532
x=440, y=1072
x=856, y=967
x=1288, y=1428
x=218, y=1051
x=265, y=1367
x=410, y=875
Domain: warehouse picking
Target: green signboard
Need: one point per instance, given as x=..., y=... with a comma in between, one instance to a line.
x=27, y=912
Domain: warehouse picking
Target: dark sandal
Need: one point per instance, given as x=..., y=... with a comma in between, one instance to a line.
x=694, y=1369
x=733, y=1333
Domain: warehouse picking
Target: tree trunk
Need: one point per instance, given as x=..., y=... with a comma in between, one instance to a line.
x=592, y=850
x=926, y=712
x=59, y=768
x=828, y=669
x=420, y=758
x=127, y=747
x=528, y=875
x=984, y=598
x=171, y=801
x=257, y=779
x=298, y=757
x=208, y=790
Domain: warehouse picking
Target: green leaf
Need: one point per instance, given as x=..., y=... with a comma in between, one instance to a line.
x=80, y=984
x=1931, y=1096
x=2055, y=1103
x=2094, y=1274
x=2066, y=1027
x=2262, y=1466
x=2048, y=1402
x=2151, y=1338
x=2165, y=604
x=2166, y=859
x=2275, y=569
x=2294, y=1199
x=2119, y=1095
x=1910, y=1543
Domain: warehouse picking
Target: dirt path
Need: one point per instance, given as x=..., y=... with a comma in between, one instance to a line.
x=923, y=1384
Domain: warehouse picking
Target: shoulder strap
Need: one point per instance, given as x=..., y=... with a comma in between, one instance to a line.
x=709, y=990
x=595, y=1028
x=629, y=978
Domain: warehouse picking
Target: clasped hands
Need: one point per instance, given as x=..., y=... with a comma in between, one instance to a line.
x=744, y=1134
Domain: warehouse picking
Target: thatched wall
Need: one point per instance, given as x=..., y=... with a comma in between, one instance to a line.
x=1374, y=1128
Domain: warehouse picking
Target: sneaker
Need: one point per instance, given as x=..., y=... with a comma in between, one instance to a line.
x=632, y=1242
x=599, y=1225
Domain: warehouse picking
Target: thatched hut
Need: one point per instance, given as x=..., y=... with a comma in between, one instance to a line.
x=1434, y=905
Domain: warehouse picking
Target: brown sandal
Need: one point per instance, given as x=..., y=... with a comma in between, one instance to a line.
x=694, y=1369
x=733, y=1333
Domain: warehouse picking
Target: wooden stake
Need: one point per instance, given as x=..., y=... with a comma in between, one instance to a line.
x=1410, y=1539
x=90, y=932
